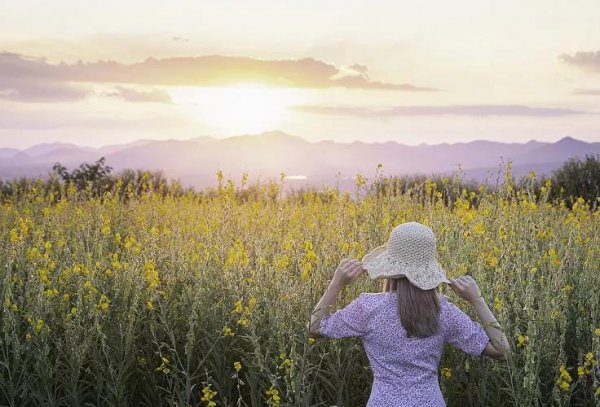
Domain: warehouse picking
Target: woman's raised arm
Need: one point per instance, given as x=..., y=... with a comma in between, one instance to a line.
x=347, y=271
x=466, y=288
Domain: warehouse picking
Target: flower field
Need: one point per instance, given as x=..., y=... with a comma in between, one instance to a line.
x=203, y=300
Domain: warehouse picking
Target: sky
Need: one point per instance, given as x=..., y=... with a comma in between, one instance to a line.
x=415, y=71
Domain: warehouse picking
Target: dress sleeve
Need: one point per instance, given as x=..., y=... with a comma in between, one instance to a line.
x=346, y=322
x=464, y=333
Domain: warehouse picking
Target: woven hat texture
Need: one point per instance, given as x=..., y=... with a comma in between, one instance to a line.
x=411, y=252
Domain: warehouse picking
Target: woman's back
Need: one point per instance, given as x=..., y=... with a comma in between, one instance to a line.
x=404, y=369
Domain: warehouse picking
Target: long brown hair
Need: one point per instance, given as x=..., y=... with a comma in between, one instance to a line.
x=419, y=310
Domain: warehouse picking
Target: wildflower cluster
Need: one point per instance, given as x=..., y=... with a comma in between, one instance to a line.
x=273, y=398
x=586, y=368
x=522, y=340
x=207, y=396
x=243, y=314
x=564, y=379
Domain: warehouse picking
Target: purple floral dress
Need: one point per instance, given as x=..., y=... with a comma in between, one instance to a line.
x=404, y=369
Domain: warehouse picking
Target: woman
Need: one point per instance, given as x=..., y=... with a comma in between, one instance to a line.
x=404, y=328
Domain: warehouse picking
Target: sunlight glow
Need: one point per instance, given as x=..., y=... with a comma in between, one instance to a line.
x=240, y=109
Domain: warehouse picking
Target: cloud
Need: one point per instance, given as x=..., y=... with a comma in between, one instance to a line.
x=41, y=91
x=17, y=119
x=587, y=61
x=588, y=92
x=459, y=110
x=137, y=96
x=207, y=70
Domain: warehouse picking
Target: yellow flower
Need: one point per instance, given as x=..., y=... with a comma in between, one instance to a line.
x=164, y=365
x=589, y=357
x=237, y=366
x=567, y=289
x=273, y=393
x=238, y=308
x=287, y=363
x=446, y=372
x=564, y=379
x=243, y=321
x=207, y=395
x=252, y=302
x=597, y=331
x=14, y=236
x=28, y=337
x=502, y=235
x=522, y=341
x=39, y=325
x=497, y=304
x=104, y=303
x=151, y=275
x=51, y=293
x=227, y=331
x=89, y=286
x=479, y=229
x=311, y=341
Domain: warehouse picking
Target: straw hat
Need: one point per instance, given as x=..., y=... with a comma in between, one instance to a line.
x=410, y=252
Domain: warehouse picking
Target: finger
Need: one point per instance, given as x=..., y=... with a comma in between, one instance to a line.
x=357, y=274
x=358, y=268
x=458, y=284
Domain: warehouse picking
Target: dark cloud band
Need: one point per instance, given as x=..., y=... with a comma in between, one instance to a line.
x=208, y=70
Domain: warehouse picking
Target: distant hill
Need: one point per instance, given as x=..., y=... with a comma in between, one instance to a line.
x=196, y=161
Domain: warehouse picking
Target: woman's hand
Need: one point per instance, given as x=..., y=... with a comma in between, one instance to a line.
x=347, y=271
x=466, y=288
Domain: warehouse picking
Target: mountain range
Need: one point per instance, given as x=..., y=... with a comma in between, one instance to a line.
x=195, y=161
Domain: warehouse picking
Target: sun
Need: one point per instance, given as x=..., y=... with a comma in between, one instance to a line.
x=239, y=109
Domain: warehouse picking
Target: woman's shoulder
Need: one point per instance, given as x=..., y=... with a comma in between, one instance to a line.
x=449, y=309
x=446, y=302
x=369, y=297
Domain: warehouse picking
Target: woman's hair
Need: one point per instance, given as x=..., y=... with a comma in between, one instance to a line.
x=419, y=310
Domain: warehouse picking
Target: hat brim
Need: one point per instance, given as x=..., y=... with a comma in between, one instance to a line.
x=425, y=276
